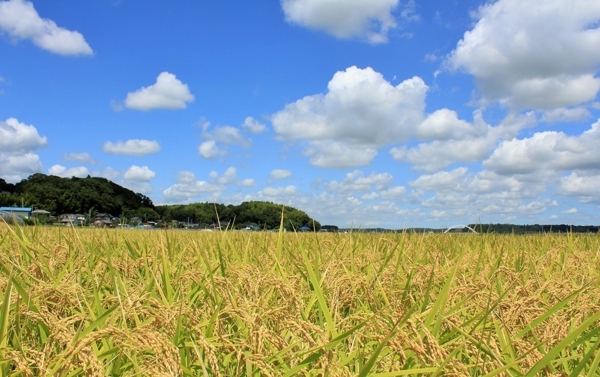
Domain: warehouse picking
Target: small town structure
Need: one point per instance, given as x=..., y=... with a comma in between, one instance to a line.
x=71, y=219
x=24, y=212
x=105, y=220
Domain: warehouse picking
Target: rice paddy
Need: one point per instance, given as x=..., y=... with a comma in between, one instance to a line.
x=98, y=302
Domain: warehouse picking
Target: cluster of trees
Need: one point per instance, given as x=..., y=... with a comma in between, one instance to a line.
x=93, y=195
x=265, y=215
x=76, y=195
x=529, y=229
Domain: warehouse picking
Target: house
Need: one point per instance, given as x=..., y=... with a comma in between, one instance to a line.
x=71, y=219
x=105, y=219
x=24, y=212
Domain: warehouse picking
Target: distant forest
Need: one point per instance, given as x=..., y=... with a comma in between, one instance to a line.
x=85, y=196
x=92, y=195
x=532, y=229
x=264, y=215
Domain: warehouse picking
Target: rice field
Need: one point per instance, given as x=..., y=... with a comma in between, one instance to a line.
x=96, y=302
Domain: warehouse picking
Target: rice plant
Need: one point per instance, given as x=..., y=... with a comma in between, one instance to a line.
x=104, y=302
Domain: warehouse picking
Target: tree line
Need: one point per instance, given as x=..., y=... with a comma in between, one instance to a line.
x=76, y=195
x=263, y=215
x=92, y=195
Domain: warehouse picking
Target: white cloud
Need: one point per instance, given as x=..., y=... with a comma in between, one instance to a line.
x=279, y=191
x=360, y=112
x=564, y=114
x=393, y=193
x=83, y=158
x=225, y=134
x=139, y=174
x=228, y=177
x=356, y=181
x=137, y=179
x=185, y=177
x=444, y=125
x=18, y=141
x=434, y=156
x=248, y=182
x=209, y=150
x=367, y=19
x=16, y=137
x=253, y=126
x=547, y=150
x=110, y=174
x=277, y=174
x=167, y=93
x=461, y=141
x=21, y=21
x=15, y=167
x=339, y=155
x=61, y=171
x=441, y=181
x=133, y=147
x=533, y=54
x=571, y=211
x=190, y=190
x=581, y=185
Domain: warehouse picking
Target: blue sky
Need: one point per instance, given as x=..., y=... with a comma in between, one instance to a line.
x=360, y=112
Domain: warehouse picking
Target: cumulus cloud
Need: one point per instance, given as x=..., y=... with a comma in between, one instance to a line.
x=18, y=141
x=83, y=158
x=277, y=174
x=547, y=150
x=356, y=181
x=440, y=181
x=20, y=20
x=15, y=167
x=137, y=178
x=253, y=126
x=61, y=171
x=365, y=19
x=192, y=189
x=248, y=182
x=138, y=174
x=224, y=134
x=167, y=93
x=133, y=147
x=17, y=137
x=110, y=174
x=521, y=52
x=581, y=185
x=335, y=154
x=279, y=191
x=564, y=114
x=209, y=150
x=460, y=141
x=360, y=112
x=186, y=177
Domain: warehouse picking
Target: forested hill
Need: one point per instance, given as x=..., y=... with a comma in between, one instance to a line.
x=76, y=195
x=262, y=214
x=94, y=195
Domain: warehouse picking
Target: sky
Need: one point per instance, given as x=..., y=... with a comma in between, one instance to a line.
x=362, y=113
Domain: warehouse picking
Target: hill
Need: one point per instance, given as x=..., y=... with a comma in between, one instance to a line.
x=76, y=195
x=93, y=195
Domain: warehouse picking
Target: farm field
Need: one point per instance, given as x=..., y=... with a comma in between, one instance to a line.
x=106, y=302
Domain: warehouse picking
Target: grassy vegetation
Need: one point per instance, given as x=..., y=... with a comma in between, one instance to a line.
x=164, y=303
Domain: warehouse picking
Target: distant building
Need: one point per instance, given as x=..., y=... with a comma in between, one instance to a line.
x=71, y=219
x=24, y=212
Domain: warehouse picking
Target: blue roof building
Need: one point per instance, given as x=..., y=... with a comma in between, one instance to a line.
x=18, y=211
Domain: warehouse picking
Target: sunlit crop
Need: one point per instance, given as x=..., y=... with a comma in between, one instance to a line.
x=181, y=303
